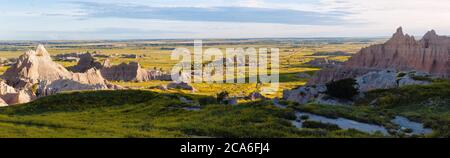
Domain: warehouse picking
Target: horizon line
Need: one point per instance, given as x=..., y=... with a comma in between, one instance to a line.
x=153, y=39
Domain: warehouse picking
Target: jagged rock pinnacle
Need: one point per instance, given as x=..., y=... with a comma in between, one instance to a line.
x=399, y=31
x=41, y=51
x=430, y=34
x=402, y=52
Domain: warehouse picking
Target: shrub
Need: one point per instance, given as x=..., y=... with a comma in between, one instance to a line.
x=401, y=74
x=342, y=89
x=326, y=126
x=222, y=96
x=421, y=78
x=304, y=117
x=34, y=89
x=408, y=130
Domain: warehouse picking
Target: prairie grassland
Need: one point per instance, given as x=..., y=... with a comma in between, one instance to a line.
x=147, y=111
x=428, y=104
x=134, y=113
x=292, y=59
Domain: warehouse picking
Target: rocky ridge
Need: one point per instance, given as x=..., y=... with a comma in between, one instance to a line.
x=35, y=75
x=131, y=72
x=402, y=52
x=384, y=79
x=123, y=72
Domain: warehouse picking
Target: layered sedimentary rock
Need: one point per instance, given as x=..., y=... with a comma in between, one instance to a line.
x=130, y=72
x=324, y=63
x=22, y=96
x=384, y=79
x=9, y=95
x=387, y=79
x=123, y=72
x=36, y=66
x=50, y=88
x=402, y=52
x=86, y=62
x=304, y=94
x=90, y=80
x=91, y=76
x=3, y=103
x=328, y=75
x=32, y=67
x=36, y=74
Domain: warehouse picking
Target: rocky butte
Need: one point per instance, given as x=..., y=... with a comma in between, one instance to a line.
x=401, y=61
x=35, y=75
x=131, y=72
x=402, y=52
x=123, y=72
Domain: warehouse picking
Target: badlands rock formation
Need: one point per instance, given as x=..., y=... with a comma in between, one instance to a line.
x=327, y=75
x=387, y=79
x=402, y=52
x=9, y=95
x=180, y=85
x=90, y=80
x=384, y=79
x=86, y=62
x=123, y=72
x=32, y=67
x=324, y=63
x=131, y=72
x=36, y=74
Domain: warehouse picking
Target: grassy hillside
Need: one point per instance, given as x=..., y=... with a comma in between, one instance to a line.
x=136, y=113
x=155, y=113
x=132, y=113
x=429, y=104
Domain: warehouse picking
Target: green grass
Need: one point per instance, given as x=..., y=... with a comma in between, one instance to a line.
x=429, y=104
x=135, y=113
x=149, y=112
x=320, y=125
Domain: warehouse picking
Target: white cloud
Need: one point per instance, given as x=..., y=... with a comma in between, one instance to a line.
x=362, y=18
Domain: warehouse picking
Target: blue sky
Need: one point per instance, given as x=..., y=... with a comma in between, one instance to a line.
x=150, y=19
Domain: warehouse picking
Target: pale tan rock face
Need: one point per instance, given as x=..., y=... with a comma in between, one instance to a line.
x=3, y=103
x=23, y=96
x=130, y=72
x=402, y=52
x=7, y=93
x=11, y=96
x=32, y=67
x=5, y=88
x=123, y=72
x=91, y=76
x=35, y=72
x=86, y=62
x=90, y=80
x=65, y=85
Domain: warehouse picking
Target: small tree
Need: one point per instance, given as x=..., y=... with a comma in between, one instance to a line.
x=222, y=96
x=343, y=89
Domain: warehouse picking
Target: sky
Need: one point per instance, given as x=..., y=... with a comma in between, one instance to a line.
x=197, y=19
